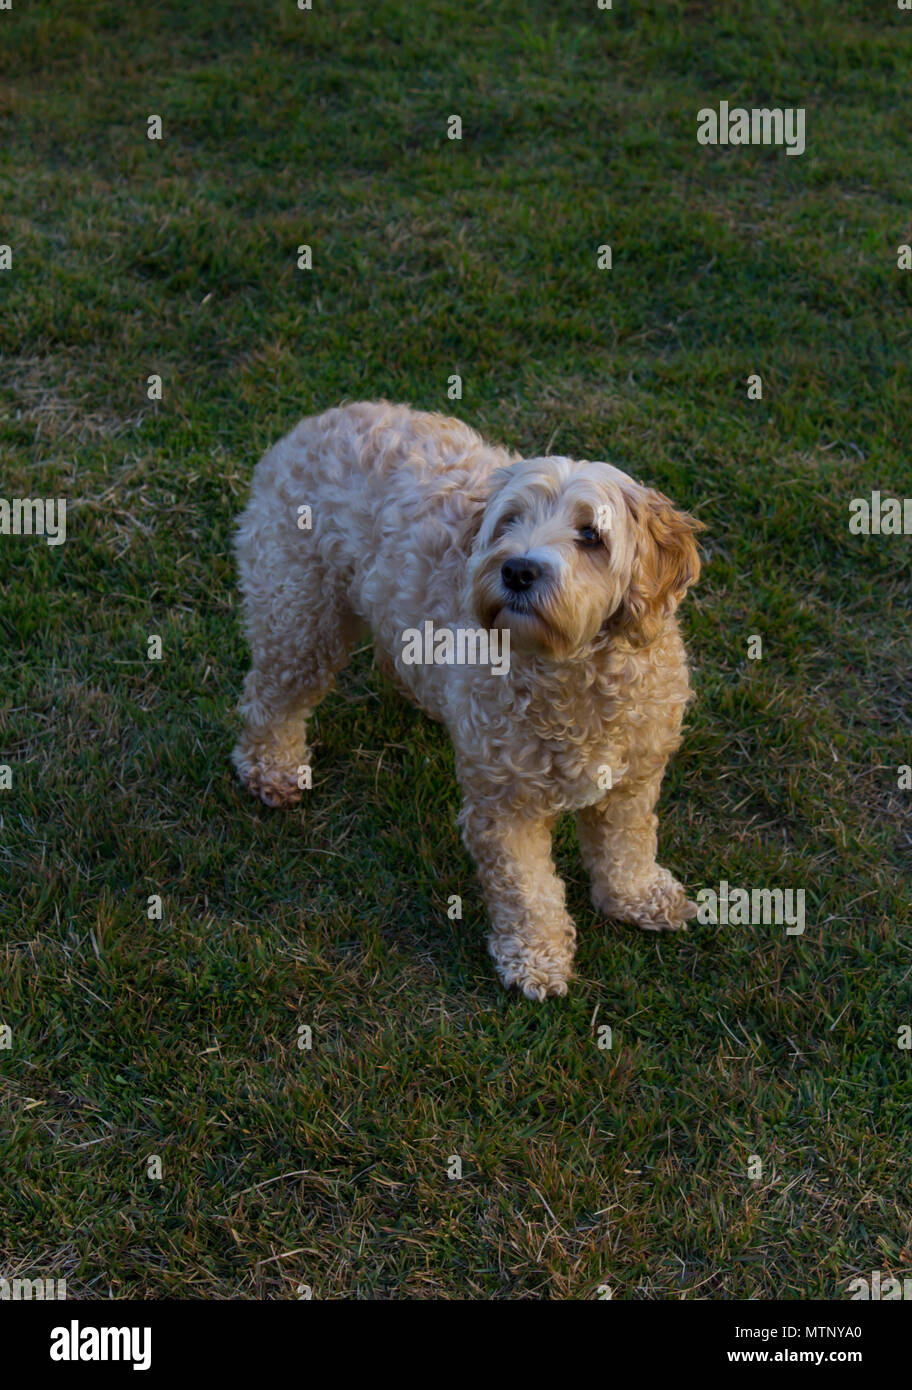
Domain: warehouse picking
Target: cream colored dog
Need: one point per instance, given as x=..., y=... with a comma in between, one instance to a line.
x=378, y=516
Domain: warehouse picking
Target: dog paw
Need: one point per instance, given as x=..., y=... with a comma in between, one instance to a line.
x=538, y=988
x=278, y=789
x=661, y=904
x=274, y=785
x=538, y=973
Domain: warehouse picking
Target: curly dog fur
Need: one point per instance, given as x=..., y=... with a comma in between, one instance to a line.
x=415, y=518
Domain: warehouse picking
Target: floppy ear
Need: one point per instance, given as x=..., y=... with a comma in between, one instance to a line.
x=472, y=526
x=479, y=500
x=666, y=562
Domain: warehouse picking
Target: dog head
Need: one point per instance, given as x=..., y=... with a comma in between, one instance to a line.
x=564, y=553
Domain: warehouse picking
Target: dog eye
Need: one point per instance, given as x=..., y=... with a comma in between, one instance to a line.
x=505, y=523
x=588, y=536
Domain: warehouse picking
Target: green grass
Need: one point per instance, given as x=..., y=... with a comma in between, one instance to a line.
x=131, y=1037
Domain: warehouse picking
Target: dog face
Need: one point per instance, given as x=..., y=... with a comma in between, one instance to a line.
x=564, y=552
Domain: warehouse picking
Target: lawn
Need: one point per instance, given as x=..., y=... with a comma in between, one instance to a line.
x=284, y=1168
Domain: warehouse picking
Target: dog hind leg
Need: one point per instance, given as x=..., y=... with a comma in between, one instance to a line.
x=297, y=647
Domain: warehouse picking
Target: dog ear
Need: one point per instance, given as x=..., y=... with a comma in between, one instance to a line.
x=666, y=562
x=472, y=526
x=479, y=501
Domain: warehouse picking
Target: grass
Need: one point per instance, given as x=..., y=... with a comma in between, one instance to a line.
x=132, y=1037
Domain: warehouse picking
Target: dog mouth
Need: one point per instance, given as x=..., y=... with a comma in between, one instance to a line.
x=529, y=627
x=509, y=604
x=522, y=613
x=518, y=603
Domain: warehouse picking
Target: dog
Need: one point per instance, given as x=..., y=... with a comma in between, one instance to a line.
x=376, y=517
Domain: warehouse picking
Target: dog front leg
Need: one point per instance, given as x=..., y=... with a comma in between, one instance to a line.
x=532, y=936
x=618, y=842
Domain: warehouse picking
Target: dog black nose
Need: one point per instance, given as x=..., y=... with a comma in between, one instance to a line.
x=520, y=573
